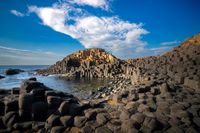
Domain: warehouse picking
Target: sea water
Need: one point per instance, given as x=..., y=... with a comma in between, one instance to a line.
x=79, y=87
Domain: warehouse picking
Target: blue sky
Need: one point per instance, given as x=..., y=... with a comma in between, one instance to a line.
x=42, y=32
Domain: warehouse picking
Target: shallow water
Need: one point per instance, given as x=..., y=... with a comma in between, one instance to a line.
x=79, y=87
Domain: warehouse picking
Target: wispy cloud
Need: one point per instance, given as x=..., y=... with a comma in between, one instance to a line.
x=170, y=43
x=13, y=56
x=111, y=33
x=17, y=13
x=104, y=4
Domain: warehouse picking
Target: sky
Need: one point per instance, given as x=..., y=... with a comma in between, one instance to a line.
x=42, y=32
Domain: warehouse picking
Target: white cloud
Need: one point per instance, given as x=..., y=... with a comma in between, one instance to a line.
x=111, y=33
x=12, y=56
x=104, y=4
x=17, y=13
x=170, y=43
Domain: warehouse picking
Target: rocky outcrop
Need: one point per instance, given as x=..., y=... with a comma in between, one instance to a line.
x=1, y=77
x=13, y=71
x=88, y=63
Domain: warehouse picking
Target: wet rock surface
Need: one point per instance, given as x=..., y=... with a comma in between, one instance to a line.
x=1, y=77
x=153, y=94
x=13, y=71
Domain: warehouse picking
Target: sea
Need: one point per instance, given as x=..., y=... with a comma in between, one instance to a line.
x=78, y=87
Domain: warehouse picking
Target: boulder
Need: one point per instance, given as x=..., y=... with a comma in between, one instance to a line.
x=10, y=119
x=25, y=101
x=79, y=121
x=67, y=121
x=25, y=106
x=58, y=129
x=38, y=92
x=29, y=85
x=53, y=120
x=53, y=102
x=1, y=77
x=33, y=78
x=13, y=71
x=64, y=108
x=39, y=111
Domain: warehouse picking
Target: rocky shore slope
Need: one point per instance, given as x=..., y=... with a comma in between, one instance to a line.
x=152, y=94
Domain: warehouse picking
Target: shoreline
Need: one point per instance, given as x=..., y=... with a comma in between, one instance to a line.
x=142, y=105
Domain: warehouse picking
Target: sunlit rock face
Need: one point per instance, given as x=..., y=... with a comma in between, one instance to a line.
x=94, y=62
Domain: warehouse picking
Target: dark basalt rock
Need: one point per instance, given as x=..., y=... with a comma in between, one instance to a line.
x=29, y=85
x=39, y=111
x=13, y=71
x=1, y=77
x=10, y=119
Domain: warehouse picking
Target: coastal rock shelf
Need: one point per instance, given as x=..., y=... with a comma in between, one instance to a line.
x=156, y=107
x=152, y=94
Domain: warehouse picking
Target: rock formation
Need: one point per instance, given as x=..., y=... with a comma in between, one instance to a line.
x=13, y=71
x=88, y=63
x=181, y=65
x=164, y=96
x=1, y=77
